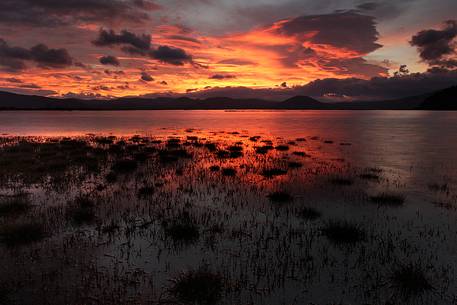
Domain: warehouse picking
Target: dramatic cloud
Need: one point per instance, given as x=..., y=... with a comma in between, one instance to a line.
x=347, y=30
x=109, y=60
x=13, y=57
x=138, y=43
x=222, y=76
x=438, y=47
x=61, y=12
x=171, y=55
x=141, y=45
x=146, y=77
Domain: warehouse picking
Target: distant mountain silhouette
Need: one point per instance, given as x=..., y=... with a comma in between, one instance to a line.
x=445, y=99
x=302, y=102
x=442, y=100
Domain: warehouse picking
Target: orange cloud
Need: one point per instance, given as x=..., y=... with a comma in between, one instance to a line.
x=295, y=51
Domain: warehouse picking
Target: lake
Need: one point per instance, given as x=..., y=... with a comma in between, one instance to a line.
x=265, y=207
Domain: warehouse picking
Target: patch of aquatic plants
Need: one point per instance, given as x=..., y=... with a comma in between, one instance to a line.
x=273, y=172
x=200, y=286
x=388, y=199
x=342, y=181
x=280, y=197
x=182, y=228
x=81, y=211
x=229, y=172
x=410, y=280
x=22, y=233
x=119, y=236
x=307, y=213
x=344, y=232
x=14, y=205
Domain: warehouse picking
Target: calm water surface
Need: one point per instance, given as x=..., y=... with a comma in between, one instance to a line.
x=395, y=138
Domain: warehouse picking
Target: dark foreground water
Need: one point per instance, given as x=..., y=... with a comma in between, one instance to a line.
x=264, y=207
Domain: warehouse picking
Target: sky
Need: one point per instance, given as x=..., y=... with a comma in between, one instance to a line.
x=333, y=50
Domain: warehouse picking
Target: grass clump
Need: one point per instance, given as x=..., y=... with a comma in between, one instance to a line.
x=301, y=154
x=342, y=181
x=15, y=205
x=410, y=280
x=369, y=176
x=387, y=199
x=22, y=233
x=211, y=146
x=145, y=192
x=294, y=164
x=280, y=197
x=182, y=229
x=436, y=187
x=282, y=148
x=343, y=232
x=273, y=172
x=308, y=213
x=214, y=168
x=228, y=172
x=124, y=166
x=201, y=287
x=262, y=150
x=81, y=211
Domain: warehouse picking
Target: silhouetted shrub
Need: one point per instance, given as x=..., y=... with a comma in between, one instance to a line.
x=200, y=287
x=410, y=281
x=343, y=232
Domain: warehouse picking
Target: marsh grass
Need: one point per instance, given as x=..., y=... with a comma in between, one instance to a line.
x=388, y=199
x=280, y=197
x=214, y=168
x=229, y=172
x=18, y=234
x=343, y=232
x=342, y=181
x=4, y=295
x=182, y=229
x=437, y=187
x=370, y=176
x=81, y=211
x=309, y=214
x=301, y=154
x=124, y=166
x=410, y=280
x=294, y=165
x=145, y=192
x=199, y=287
x=282, y=148
x=273, y=172
x=262, y=150
x=14, y=205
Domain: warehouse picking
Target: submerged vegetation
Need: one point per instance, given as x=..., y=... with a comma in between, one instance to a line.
x=123, y=219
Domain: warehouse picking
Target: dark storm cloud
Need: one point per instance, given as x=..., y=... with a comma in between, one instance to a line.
x=385, y=9
x=60, y=12
x=146, y=77
x=348, y=30
x=110, y=38
x=222, y=76
x=109, y=60
x=14, y=58
x=141, y=45
x=436, y=46
x=170, y=55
